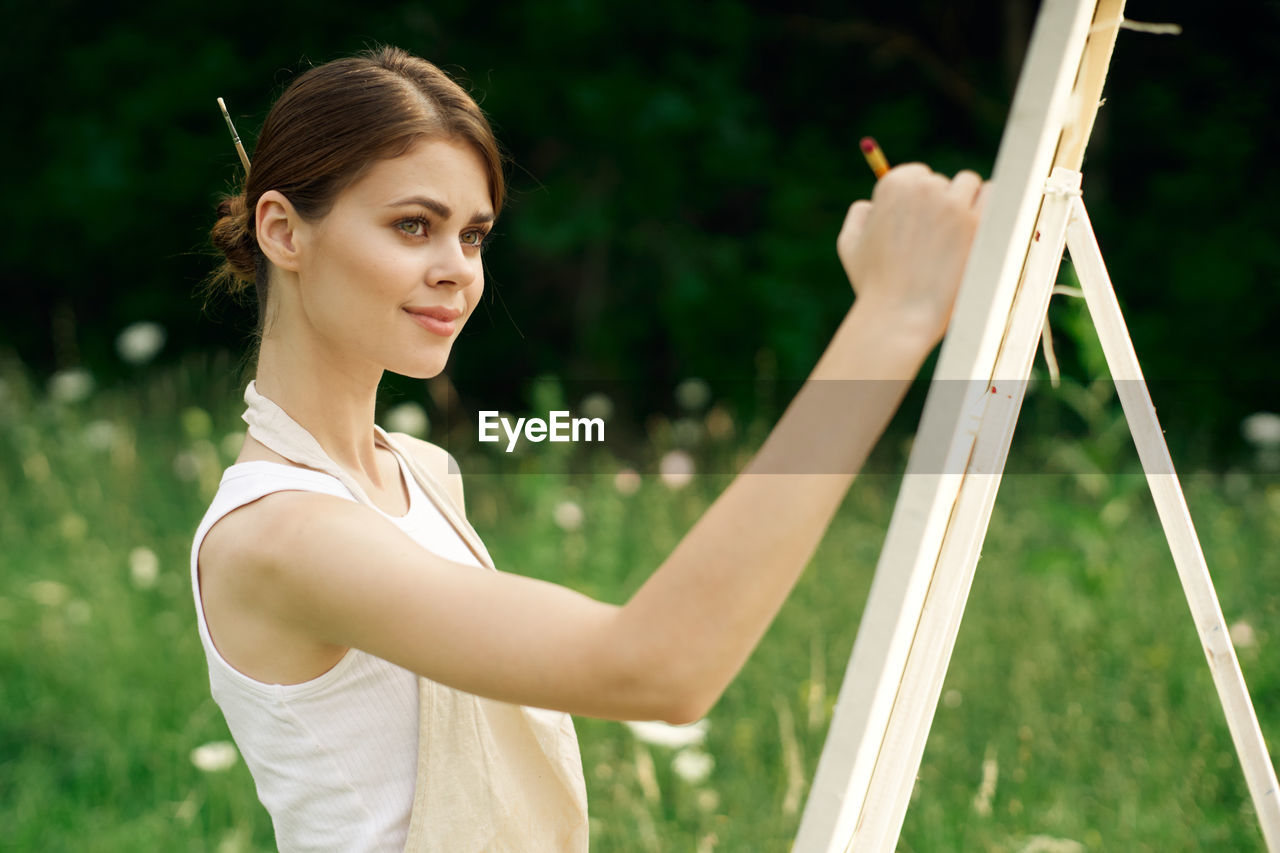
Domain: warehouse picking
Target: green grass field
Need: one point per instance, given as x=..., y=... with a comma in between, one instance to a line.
x=1078, y=713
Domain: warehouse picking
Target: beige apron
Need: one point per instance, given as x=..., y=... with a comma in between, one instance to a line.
x=492, y=776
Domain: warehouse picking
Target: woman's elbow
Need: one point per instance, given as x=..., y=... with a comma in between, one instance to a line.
x=669, y=705
x=685, y=710
x=659, y=688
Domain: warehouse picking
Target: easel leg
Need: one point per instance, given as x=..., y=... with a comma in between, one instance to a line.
x=1176, y=519
x=908, y=727
x=887, y=702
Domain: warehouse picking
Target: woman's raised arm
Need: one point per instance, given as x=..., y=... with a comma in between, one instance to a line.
x=339, y=573
x=707, y=606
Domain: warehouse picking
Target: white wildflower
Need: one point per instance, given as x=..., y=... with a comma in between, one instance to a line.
x=596, y=405
x=693, y=394
x=664, y=734
x=140, y=342
x=567, y=515
x=71, y=386
x=1243, y=636
x=48, y=593
x=1261, y=429
x=676, y=469
x=626, y=481
x=409, y=418
x=144, y=567
x=215, y=757
x=100, y=435
x=693, y=765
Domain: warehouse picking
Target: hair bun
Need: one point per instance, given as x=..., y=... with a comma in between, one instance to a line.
x=233, y=235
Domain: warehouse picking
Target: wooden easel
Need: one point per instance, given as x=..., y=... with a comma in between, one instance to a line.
x=895, y=674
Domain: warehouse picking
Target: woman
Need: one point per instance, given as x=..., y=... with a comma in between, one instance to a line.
x=380, y=679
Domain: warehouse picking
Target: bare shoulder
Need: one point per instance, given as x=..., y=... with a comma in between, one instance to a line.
x=250, y=532
x=439, y=462
x=277, y=557
x=246, y=586
x=242, y=544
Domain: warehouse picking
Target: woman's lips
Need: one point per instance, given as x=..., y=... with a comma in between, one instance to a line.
x=443, y=328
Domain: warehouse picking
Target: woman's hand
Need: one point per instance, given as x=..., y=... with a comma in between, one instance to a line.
x=905, y=250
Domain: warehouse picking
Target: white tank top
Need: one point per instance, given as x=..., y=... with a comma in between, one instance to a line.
x=333, y=758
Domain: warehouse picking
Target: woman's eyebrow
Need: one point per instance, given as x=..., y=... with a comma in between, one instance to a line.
x=441, y=209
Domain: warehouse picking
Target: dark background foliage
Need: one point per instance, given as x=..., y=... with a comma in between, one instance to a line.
x=679, y=172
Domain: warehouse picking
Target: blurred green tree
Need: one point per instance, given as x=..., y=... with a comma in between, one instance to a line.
x=679, y=174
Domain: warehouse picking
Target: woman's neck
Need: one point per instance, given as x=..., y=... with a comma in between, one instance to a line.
x=328, y=396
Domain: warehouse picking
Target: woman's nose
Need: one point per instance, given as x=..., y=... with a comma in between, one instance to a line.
x=452, y=266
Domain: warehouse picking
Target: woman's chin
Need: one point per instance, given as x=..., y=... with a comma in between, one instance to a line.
x=428, y=370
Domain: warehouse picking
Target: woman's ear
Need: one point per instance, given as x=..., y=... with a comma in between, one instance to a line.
x=277, y=226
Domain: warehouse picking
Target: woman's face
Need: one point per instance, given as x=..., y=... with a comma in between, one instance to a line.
x=400, y=243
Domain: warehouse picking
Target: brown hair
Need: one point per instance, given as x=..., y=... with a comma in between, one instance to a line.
x=327, y=129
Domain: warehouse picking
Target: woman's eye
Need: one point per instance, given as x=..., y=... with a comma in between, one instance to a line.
x=418, y=227
x=413, y=227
